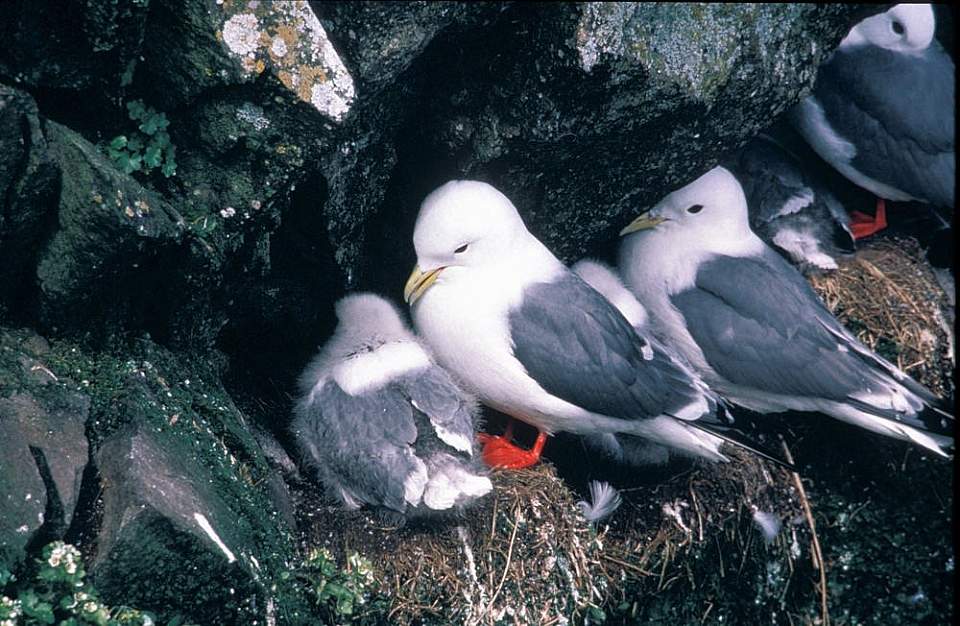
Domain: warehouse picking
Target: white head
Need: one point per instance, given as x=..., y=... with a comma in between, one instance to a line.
x=366, y=320
x=904, y=28
x=464, y=223
x=708, y=214
x=602, y=278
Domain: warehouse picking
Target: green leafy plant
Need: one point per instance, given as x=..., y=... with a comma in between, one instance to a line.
x=348, y=593
x=146, y=148
x=57, y=593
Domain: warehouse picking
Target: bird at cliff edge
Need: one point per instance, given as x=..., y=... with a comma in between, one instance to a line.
x=790, y=208
x=380, y=424
x=752, y=327
x=882, y=112
x=535, y=342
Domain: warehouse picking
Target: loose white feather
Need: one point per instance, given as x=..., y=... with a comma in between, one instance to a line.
x=604, y=500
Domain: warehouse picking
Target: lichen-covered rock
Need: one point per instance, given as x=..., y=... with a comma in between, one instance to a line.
x=42, y=446
x=587, y=112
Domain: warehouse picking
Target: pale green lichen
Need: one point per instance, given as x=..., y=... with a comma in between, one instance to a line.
x=699, y=61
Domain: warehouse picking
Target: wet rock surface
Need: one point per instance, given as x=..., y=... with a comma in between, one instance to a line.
x=177, y=307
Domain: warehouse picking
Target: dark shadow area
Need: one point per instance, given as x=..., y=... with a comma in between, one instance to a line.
x=277, y=323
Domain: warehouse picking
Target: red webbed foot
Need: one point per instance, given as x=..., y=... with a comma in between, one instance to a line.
x=863, y=225
x=500, y=451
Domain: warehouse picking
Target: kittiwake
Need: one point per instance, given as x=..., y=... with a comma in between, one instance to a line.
x=534, y=341
x=753, y=328
x=631, y=450
x=882, y=110
x=380, y=424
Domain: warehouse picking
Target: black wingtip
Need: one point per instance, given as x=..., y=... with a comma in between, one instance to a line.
x=739, y=439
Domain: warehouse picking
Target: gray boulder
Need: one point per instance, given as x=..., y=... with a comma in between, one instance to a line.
x=42, y=445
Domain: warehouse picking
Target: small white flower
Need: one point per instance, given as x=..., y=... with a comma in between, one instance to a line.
x=228, y=212
x=90, y=607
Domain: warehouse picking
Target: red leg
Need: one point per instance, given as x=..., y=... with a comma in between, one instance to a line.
x=500, y=451
x=863, y=225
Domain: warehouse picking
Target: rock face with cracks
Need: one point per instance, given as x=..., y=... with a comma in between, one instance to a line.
x=148, y=427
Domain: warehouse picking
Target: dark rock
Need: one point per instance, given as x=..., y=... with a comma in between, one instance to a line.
x=23, y=496
x=111, y=233
x=80, y=56
x=167, y=532
x=175, y=467
x=28, y=185
x=382, y=39
x=42, y=444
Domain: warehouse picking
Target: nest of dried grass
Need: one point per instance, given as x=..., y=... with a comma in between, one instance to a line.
x=889, y=297
x=525, y=555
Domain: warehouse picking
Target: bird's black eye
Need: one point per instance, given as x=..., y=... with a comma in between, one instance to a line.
x=695, y=208
x=462, y=248
x=897, y=27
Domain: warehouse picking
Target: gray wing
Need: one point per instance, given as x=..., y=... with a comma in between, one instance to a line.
x=451, y=411
x=360, y=444
x=760, y=325
x=898, y=111
x=578, y=347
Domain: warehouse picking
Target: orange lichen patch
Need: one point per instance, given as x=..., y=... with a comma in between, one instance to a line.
x=309, y=75
x=286, y=78
x=287, y=39
x=265, y=39
x=289, y=35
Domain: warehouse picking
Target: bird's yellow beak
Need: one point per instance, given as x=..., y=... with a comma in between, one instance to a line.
x=643, y=222
x=418, y=283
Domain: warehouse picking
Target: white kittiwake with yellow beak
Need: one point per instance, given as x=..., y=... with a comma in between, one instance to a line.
x=753, y=328
x=533, y=340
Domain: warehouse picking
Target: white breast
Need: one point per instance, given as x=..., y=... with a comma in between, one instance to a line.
x=463, y=318
x=368, y=371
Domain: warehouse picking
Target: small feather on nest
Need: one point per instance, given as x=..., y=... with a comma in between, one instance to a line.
x=605, y=499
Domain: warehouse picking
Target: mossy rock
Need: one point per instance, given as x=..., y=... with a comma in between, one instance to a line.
x=180, y=495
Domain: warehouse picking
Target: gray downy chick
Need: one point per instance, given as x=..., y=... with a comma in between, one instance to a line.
x=790, y=209
x=380, y=424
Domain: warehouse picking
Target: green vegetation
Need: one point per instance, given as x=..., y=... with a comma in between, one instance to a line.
x=57, y=592
x=146, y=148
x=348, y=595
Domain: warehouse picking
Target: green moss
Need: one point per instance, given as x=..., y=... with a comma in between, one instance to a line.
x=191, y=417
x=342, y=594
